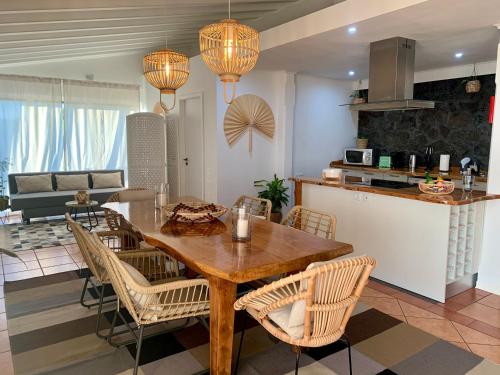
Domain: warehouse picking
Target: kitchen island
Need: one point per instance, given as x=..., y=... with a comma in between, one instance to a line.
x=429, y=245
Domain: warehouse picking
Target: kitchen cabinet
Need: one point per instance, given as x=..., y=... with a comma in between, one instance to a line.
x=427, y=248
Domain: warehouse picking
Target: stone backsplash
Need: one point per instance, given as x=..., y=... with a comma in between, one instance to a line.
x=457, y=126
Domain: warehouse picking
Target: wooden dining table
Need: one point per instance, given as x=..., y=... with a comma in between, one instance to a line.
x=209, y=250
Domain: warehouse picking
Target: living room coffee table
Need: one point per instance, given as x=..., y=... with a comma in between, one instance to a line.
x=74, y=207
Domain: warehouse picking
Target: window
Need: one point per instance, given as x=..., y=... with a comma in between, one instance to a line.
x=57, y=125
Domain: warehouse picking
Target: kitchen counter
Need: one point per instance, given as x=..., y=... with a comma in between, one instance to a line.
x=457, y=198
x=419, y=172
x=429, y=245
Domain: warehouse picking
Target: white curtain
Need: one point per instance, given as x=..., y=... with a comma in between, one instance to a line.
x=95, y=118
x=31, y=131
x=54, y=125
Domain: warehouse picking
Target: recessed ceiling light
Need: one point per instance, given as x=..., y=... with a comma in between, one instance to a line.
x=459, y=55
x=351, y=72
x=352, y=30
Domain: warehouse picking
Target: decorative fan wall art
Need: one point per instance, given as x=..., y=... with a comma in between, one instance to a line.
x=245, y=114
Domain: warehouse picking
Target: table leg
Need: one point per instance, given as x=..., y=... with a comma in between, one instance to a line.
x=222, y=297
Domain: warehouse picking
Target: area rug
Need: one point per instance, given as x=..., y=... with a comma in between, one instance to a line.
x=50, y=332
x=41, y=234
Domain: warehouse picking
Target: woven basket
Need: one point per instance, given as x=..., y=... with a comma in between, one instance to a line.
x=361, y=143
x=442, y=188
x=194, y=212
x=358, y=101
x=472, y=86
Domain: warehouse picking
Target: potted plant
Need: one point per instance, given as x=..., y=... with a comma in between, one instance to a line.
x=4, y=199
x=362, y=142
x=357, y=97
x=276, y=192
x=472, y=84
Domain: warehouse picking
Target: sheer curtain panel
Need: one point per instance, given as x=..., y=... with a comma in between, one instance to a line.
x=31, y=128
x=49, y=124
x=95, y=119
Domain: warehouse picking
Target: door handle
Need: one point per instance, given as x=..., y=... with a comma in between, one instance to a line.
x=186, y=161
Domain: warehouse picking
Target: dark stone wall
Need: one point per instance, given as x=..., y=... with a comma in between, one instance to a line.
x=458, y=126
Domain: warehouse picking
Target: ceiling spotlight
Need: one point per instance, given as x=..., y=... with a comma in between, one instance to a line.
x=459, y=55
x=352, y=30
x=351, y=72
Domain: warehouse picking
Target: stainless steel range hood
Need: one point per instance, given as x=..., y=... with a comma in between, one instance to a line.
x=392, y=67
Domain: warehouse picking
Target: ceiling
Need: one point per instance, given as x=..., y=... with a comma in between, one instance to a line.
x=34, y=30
x=440, y=27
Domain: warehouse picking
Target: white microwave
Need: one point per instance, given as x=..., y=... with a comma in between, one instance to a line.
x=358, y=156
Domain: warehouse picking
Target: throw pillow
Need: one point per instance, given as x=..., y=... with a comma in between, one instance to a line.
x=72, y=182
x=34, y=184
x=106, y=180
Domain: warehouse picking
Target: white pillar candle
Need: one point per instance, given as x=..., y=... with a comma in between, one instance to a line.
x=444, y=163
x=242, y=228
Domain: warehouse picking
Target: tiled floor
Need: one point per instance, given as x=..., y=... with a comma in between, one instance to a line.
x=36, y=263
x=470, y=320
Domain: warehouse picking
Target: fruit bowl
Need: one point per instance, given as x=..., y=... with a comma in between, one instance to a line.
x=437, y=188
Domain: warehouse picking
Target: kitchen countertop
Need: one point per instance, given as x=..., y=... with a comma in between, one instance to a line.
x=457, y=198
x=419, y=172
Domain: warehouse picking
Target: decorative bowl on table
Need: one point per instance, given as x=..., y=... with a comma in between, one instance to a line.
x=437, y=188
x=194, y=212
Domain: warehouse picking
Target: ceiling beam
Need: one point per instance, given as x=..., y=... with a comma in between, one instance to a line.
x=76, y=5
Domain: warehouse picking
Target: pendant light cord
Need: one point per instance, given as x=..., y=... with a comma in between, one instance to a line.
x=229, y=6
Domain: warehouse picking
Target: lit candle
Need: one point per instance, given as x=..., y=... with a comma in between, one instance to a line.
x=242, y=224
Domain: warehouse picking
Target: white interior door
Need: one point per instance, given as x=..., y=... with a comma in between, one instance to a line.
x=191, y=150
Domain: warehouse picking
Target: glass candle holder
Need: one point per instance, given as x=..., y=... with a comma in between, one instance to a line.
x=468, y=181
x=242, y=224
x=161, y=195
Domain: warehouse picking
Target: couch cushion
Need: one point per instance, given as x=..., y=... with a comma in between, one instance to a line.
x=106, y=180
x=33, y=184
x=72, y=182
x=55, y=199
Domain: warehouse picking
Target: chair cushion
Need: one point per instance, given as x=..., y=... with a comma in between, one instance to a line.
x=298, y=308
x=106, y=180
x=140, y=299
x=282, y=319
x=34, y=184
x=72, y=182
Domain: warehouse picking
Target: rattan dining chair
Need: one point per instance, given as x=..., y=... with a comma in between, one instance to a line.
x=155, y=265
x=257, y=206
x=310, y=308
x=312, y=221
x=151, y=304
x=116, y=221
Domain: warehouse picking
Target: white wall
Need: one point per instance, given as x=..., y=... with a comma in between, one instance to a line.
x=489, y=266
x=201, y=80
x=237, y=168
x=322, y=129
x=449, y=72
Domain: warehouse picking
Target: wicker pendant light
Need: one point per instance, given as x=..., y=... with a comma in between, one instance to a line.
x=230, y=49
x=166, y=70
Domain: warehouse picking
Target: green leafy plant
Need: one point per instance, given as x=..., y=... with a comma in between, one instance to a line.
x=357, y=94
x=275, y=191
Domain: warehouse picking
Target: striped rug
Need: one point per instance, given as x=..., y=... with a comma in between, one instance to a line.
x=51, y=333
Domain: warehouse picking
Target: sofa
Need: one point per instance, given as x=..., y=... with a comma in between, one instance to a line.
x=53, y=203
